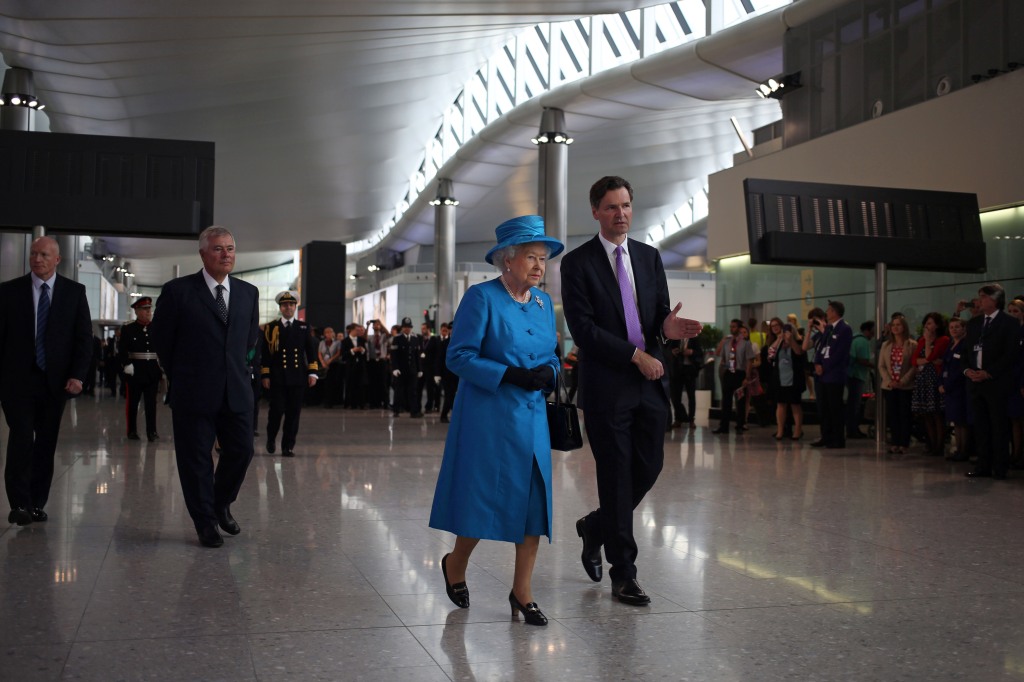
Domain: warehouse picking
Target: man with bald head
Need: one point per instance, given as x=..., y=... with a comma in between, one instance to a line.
x=45, y=351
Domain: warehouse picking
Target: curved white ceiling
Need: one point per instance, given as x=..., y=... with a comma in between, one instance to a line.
x=321, y=110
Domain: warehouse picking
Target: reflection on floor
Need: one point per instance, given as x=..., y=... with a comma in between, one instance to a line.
x=764, y=561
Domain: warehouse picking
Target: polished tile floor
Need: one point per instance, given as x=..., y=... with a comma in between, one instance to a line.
x=765, y=562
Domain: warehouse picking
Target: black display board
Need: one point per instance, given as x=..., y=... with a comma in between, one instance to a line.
x=95, y=184
x=808, y=223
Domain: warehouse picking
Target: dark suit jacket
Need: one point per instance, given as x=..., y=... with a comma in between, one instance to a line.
x=593, y=310
x=999, y=344
x=405, y=355
x=207, y=363
x=68, y=336
x=835, y=344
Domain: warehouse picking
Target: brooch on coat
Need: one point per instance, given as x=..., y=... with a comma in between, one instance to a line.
x=540, y=302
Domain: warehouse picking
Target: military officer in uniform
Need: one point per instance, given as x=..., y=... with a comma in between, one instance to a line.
x=140, y=368
x=289, y=365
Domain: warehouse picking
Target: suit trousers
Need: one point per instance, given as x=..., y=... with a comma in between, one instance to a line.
x=991, y=423
x=34, y=423
x=629, y=452
x=450, y=382
x=285, y=401
x=146, y=391
x=731, y=382
x=854, y=391
x=204, y=487
x=830, y=412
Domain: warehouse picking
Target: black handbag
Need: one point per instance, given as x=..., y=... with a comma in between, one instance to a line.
x=563, y=421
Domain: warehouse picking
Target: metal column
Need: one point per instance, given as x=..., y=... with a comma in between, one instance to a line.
x=881, y=313
x=552, y=198
x=444, y=251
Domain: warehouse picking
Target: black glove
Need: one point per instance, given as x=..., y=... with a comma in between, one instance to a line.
x=518, y=376
x=543, y=376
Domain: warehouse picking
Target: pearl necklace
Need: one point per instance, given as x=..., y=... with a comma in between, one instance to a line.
x=505, y=284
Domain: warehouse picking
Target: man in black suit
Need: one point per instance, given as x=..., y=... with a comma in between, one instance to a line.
x=406, y=370
x=290, y=364
x=353, y=352
x=204, y=329
x=991, y=346
x=428, y=359
x=45, y=351
x=616, y=302
x=448, y=379
x=684, y=368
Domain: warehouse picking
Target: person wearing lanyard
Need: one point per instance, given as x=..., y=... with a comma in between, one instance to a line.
x=736, y=355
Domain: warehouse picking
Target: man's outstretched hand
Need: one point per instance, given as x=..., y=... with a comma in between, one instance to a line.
x=675, y=327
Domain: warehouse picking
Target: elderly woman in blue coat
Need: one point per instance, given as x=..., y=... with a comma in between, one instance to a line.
x=495, y=478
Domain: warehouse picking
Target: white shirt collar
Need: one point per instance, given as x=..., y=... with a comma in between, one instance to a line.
x=609, y=247
x=288, y=321
x=36, y=282
x=211, y=283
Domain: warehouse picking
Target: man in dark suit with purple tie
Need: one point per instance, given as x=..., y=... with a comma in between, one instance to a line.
x=616, y=302
x=45, y=350
x=204, y=329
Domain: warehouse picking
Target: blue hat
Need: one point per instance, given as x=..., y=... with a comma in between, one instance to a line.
x=523, y=230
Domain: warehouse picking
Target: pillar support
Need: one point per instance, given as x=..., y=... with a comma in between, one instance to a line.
x=444, y=251
x=552, y=194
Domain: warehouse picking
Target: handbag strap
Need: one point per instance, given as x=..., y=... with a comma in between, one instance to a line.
x=558, y=386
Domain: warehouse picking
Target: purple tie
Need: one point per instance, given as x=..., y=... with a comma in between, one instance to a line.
x=636, y=335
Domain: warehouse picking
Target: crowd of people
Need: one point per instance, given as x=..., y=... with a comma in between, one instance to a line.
x=959, y=377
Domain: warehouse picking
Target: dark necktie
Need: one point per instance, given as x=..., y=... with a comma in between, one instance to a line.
x=633, y=330
x=984, y=327
x=222, y=307
x=42, y=315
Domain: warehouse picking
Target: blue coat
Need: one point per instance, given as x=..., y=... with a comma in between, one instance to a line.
x=497, y=430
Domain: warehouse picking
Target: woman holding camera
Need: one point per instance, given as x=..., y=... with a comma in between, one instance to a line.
x=785, y=360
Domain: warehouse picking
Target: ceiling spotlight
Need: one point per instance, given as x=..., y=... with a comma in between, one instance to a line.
x=779, y=86
x=33, y=102
x=16, y=100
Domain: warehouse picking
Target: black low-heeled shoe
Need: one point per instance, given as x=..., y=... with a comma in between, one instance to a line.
x=531, y=612
x=459, y=592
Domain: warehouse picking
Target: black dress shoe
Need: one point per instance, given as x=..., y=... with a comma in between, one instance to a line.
x=153, y=436
x=227, y=521
x=630, y=592
x=418, y=414
x=591, y=556
x=531, y=612
x=133, y=436
x=20, y=516
x=209, y=537
x=271, y=448
x=444, y=420
x=287, y=453
x=721, y=430
x=459, y=592
x=978, y=473
x=38, y=514
x=818, y=443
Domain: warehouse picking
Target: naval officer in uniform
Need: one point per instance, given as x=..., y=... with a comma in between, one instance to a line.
x=141, y=369
x=289, y=359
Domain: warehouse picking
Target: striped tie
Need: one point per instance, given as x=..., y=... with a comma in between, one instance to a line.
x=42, y=315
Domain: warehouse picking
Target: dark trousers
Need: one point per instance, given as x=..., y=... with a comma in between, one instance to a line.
x=628, y=447
x=204, y=487
x=34, y=422
x=991, y=424
x=377, y=383
x=355, y=385
x=286, y=402
x=450, y=382
x=830, y=412
x=898, y=416
x=731, y=382
x=433, y=391
x=854, y=390
x=407, y=395
x=334, y=386
x=146, y=391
